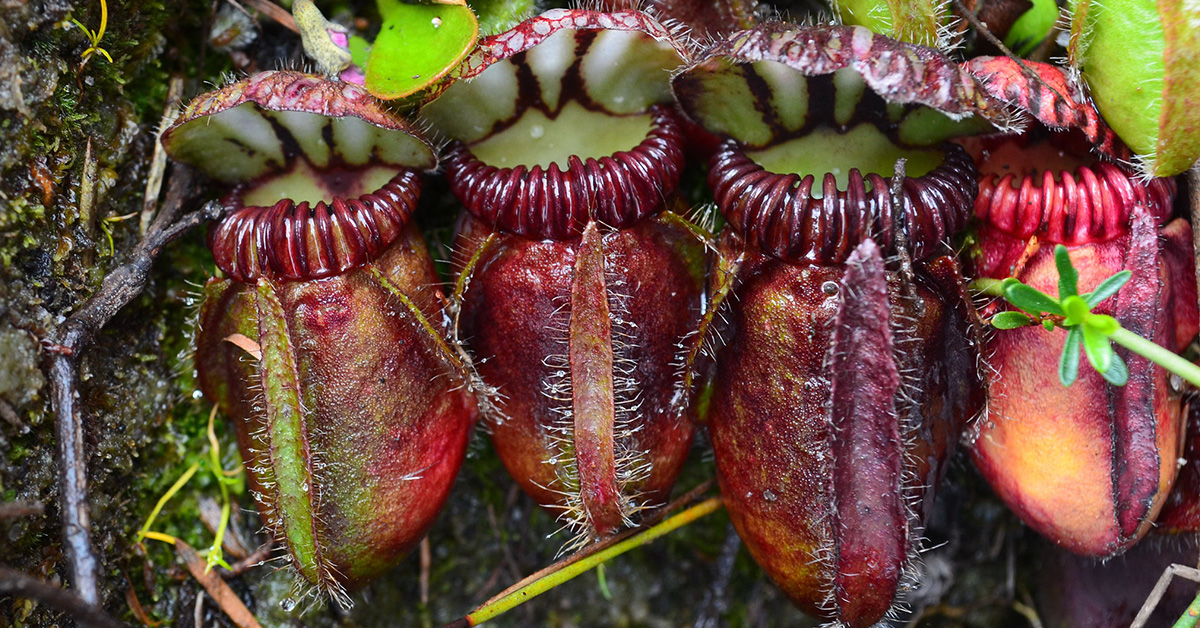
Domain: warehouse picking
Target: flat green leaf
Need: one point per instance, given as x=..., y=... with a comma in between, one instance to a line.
x=497, y=16
x=359, y=50
x=1068, y=277
x=1068, y=364
x=1010, y=320
x=417, y=45
x=1107, y=288
x=1117, y=373
x=1103, y=323
x=1031, y=299
x=1098, y=349
x=1032, y=27
x=1076, y=309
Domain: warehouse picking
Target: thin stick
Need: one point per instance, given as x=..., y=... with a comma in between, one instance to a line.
x=1193, y=179
x=544, y=584
x=1160, y=588
x=158, y=160
x=17, y=584
x=594, y=548
x=426, y=554
x=592, y=556
x=20, y=508
x=117, y=289
x=216, y=587
x=275, y=12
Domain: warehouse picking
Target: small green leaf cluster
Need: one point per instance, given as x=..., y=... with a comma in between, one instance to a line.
x=1073, y=312
x=1095, y=333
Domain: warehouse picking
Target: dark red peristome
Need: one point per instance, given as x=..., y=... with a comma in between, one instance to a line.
x=298, y=242
x=778, y=215
x=618, y=190
x=1093, y=204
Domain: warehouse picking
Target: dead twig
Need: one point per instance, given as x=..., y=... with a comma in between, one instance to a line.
x=1160, y=588
x=20, y=508
x=275, y=12
x=258, y=557
x=17, y=584
x=117, y=289
x=158, y=160
x=9, y=414
x=426, y=563
x=216, y=587
x=1193, y=180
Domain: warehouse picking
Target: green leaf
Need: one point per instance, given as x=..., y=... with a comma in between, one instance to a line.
x=497, y=16
x=1031, y=299
x=1117, y=373
x=1098, y=349
x=1077, y=311
x=1068, y=277
x=1068, y=364
x=1107, y=288
x=1103, y=323
x=1010, y=320
x=417, y=45
x=359, y=50
x=1032, y=27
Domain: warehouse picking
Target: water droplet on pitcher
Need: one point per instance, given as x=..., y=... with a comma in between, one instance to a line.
x=770, y=495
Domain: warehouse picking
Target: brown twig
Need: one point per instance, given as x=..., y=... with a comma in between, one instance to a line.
x=900, y=230
x=258, y=557
x=158, y=160
x=117, y=289
x=1160, y=588
x=20, y=508
x=17, y=584
x=216, y=587
x=1193, y=180
x=275, y=12
x=9, y=414
x=426, y=554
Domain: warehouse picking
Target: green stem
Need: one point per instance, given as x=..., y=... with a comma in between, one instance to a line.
x=1157, y=355
x=1189, y=618
x=987, y=286
x=549, y=581
x=162, y=501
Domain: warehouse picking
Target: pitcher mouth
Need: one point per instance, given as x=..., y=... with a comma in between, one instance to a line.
x=1092, y=201
x=783, y=216
x=293, y=241
x=552, y=202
